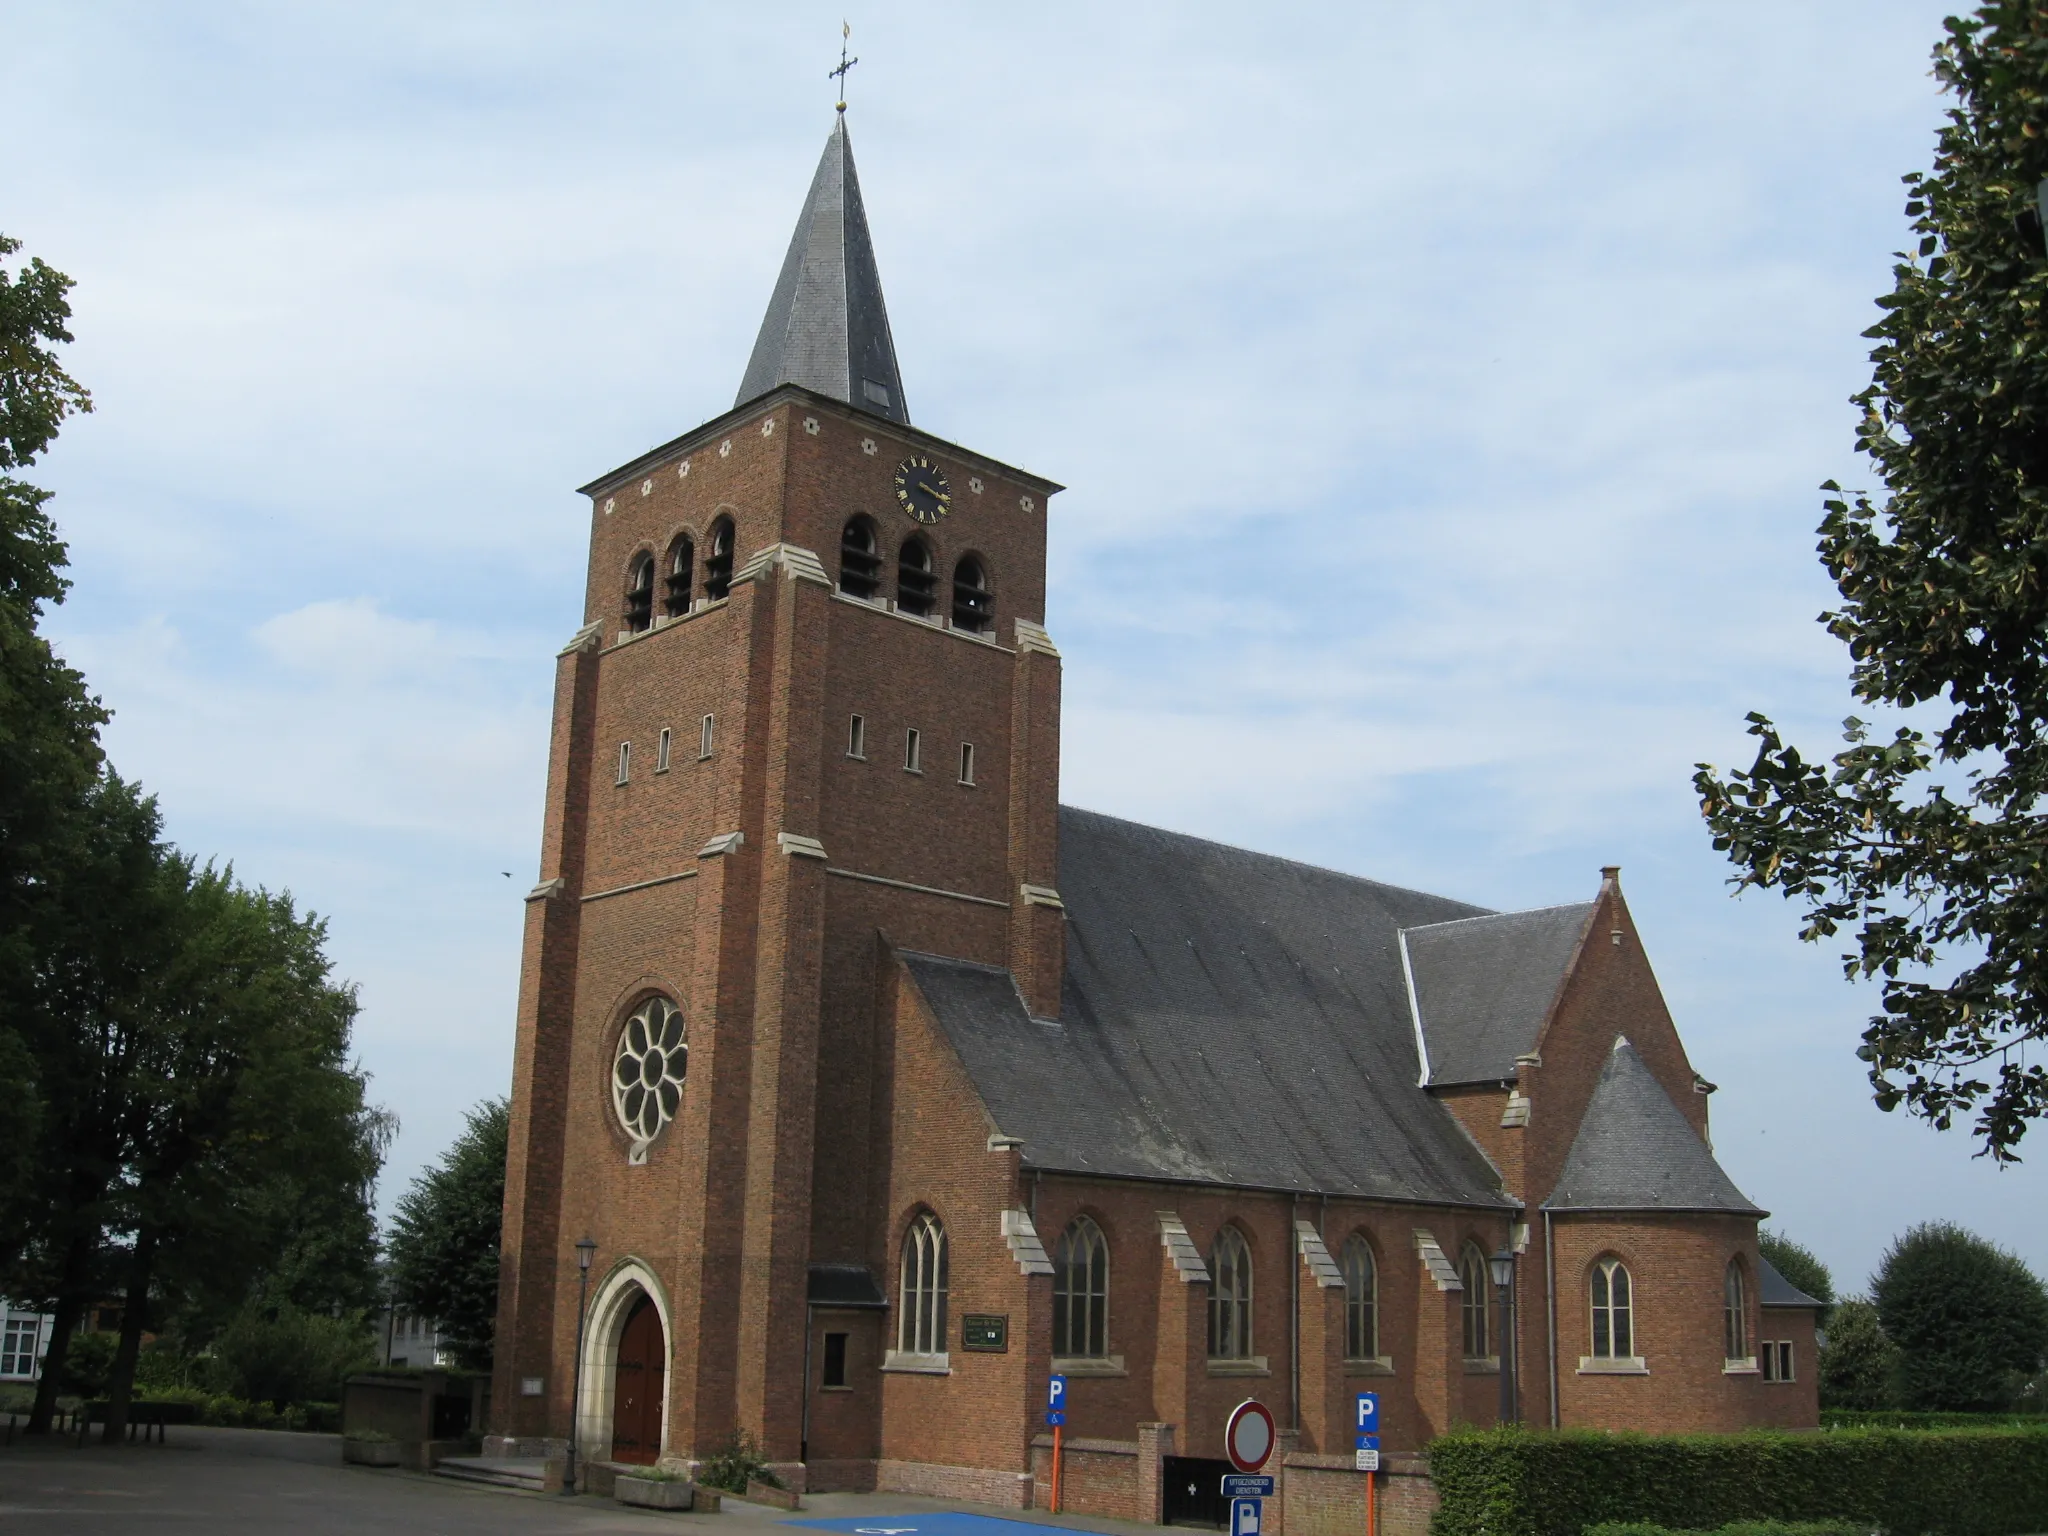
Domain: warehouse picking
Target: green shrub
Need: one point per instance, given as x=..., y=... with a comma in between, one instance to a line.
x=1739, y=1528
x=1899, y=1418
x=282, y=1355
x=1970, y=1319
x=1859, y=1365
x=87, y=1363
x=1956, y=1482
x=733, y=1462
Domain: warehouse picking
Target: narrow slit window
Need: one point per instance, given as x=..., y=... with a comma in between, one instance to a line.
x=913, y=751
x=966, y=762
x=661, y=751
x=835, y=1361
x=625, y=762
x=718, y=562
x=704, y=736
x=857, y=738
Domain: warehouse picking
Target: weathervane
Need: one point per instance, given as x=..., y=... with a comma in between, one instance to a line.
x=839, y=74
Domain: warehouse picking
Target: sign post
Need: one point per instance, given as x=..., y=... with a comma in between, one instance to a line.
x=1368, y=1445
x=1056, y=1416
x=1248, y=1441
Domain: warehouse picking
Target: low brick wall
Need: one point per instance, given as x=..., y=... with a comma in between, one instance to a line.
x=1325, y=1496
x=1099, y=1477
x=851, y=1476
x=976, y=1485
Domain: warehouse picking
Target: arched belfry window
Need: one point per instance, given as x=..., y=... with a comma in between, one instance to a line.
x=917, y=588
x=860, y=559
x=640, y=594
x=921, y=1318
x=1080, y=1291
x=1230, y=1297
x=1478, y=1297
x=974, y=605
x=718, y=560
x=1735, y=1312
x=679, y=576
x=1614, y=1311
x=1361, y=1301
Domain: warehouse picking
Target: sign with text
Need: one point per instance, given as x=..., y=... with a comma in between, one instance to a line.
x=1239, y=1485
x=985, y=1333
x=1368, y=1460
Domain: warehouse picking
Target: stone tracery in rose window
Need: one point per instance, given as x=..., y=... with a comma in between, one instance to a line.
x=648, y=1069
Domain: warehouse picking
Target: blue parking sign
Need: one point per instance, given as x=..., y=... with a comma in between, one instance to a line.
x=1244, y=1517
x=1056, y=1401
x=1368, y=1413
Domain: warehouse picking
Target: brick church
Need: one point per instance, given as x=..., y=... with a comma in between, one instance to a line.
x=877, y=1085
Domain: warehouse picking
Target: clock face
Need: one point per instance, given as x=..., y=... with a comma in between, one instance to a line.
x=921, y=489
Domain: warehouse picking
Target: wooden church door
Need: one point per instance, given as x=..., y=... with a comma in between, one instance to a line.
x=637, y=1386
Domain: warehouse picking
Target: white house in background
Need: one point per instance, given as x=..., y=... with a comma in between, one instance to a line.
x=409, y=1340
x=24, y=1340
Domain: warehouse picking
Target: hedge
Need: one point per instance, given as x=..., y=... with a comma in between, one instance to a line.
x=1740, y=1528
x=1955, y=1482
x=1895, y=1418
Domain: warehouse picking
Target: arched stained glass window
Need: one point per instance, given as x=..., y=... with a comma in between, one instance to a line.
x=1361, y=1301
x=1478, y=1299
x=1735, y=1312
x=1614, y=1330
x=921, y=1319
x=1230, y=1297
x=1080, y=1291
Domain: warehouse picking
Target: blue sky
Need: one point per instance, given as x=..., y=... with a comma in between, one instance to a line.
x=1443, y=396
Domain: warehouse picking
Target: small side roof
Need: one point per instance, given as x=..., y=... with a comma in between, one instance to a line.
x=1482, y=987
x=1635, y=1151
x=1774, y=1290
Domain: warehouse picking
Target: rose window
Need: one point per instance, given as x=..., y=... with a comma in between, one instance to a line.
x=647, y=1075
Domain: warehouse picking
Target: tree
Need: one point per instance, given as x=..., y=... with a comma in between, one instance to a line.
x=1932, y=845
x=49, y=724
x=1802, y=1267
x=1858, y=1364
x=1970, y=1320
x=444, y=1236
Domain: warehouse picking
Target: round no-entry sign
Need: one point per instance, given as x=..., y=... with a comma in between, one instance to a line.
x=1248, y=1437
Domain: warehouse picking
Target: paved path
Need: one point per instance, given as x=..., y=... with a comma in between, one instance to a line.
x=242, y=1482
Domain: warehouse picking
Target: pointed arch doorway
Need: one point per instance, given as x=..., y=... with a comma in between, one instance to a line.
x=638, y=1379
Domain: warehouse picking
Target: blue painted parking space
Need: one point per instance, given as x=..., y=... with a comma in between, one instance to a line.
x=945, y=1523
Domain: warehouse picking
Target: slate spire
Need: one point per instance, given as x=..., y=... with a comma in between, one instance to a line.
x=827, y=328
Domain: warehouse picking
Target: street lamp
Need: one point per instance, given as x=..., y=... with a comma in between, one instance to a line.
x=584, y=1250
x=1503, y=1266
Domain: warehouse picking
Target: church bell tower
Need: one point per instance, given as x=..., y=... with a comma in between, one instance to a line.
x=811, y=718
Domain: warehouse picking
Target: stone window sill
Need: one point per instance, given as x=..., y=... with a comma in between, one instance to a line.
x=1251, y=1365
x=1382, y=1366
x=1740, y=1367
x=1490, y=1366
x=917, y=1365
x=1088, y=1365
x=1613, y=1365
x=835, y=1389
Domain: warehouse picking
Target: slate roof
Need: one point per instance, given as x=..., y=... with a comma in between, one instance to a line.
x=1774, y=1290
x=826, y=327
x=1636, y=1152
x=1484, y=985
x=1229, y=1017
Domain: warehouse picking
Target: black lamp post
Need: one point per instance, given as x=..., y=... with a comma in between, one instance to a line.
x=584, y=1250
x=1503, y=1266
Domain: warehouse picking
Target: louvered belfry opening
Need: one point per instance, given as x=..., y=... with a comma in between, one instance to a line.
x=917, y=589
x=718, y=563
x=860, y=559
x=640, y=595
x=682, y=561
x=974, y=606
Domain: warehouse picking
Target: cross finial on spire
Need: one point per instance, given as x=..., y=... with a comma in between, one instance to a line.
x=839, y=74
